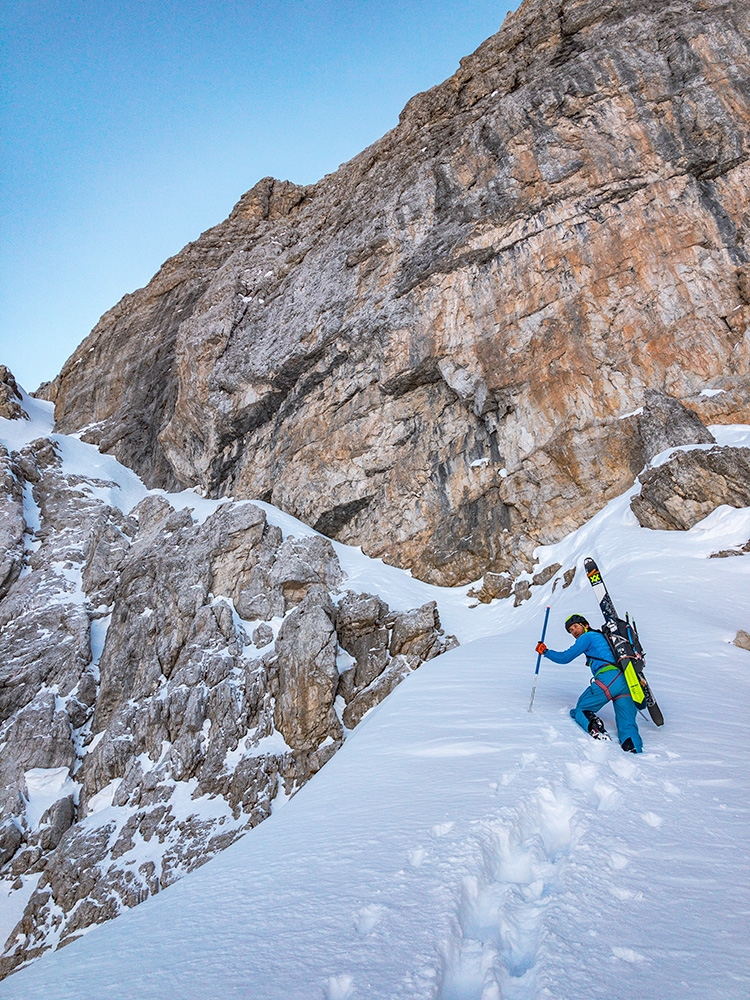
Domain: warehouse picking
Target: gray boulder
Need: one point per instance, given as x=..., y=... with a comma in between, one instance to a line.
x=376, y=691
x=11, y=839
x=362, y=622
x=55, y=821
x=308, y=676
x=36, y=736
x=666, y=423
x=692, y=484
x=10, y=397
x=12, y=524
x=43, y=646
x=416, y=633
x=302, y=563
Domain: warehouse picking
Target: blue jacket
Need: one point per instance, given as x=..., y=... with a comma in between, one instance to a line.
x=593, y=644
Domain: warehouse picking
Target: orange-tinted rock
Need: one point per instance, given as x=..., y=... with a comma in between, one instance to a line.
x=432, y=351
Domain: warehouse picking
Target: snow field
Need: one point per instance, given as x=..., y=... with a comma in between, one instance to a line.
x=459, y=847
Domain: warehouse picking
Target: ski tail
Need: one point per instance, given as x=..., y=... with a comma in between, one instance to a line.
x=653, y=709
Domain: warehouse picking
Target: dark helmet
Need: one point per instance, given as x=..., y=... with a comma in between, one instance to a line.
x=572, y=619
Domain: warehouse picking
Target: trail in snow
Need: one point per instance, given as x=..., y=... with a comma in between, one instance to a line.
x=459, y=847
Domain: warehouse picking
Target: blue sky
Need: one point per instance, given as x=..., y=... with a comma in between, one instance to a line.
x=128, y=128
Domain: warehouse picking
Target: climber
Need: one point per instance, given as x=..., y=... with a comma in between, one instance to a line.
x=607, y=684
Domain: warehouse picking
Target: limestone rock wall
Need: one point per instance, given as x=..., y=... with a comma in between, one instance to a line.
x=433, y=352
x=163, y=683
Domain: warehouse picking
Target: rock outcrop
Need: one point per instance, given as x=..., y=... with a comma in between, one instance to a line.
x=163, y=681
x=10, y=396
x=692, y=484
x=433, y=352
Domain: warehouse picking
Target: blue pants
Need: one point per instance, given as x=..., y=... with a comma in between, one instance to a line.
x=626, y=712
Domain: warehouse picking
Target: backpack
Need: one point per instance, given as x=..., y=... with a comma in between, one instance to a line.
x=627, y=654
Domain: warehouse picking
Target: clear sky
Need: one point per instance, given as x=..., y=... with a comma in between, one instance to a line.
x=131, y=126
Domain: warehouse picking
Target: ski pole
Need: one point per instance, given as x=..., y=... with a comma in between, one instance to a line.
x=539, y=658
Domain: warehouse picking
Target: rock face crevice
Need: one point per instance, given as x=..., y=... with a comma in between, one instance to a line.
x=165, y=681
x=432, y=352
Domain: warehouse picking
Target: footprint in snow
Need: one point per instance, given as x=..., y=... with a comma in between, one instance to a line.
x=555, y=813
x=501, y=916
x=624, y=894
x=582, y=776
x=441, y=829
x=417, y=856
x=607, y=796
x=652, y=818
x=534, y=890
x=618, y=861
x=585, y=777
x=368, y=918
x=596, y=750
x=628, y=955
x=471, y=974
x=623, y=768
x=339, y=987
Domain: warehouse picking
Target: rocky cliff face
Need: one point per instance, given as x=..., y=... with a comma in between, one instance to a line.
x=433, y=352
x=164, y=680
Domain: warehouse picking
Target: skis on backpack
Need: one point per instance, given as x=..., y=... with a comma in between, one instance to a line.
x=627, y=651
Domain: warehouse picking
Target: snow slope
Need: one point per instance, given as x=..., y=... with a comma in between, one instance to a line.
x=459, y=847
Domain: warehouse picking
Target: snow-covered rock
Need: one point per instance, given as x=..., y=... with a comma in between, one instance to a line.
x=131, y=672
x=682, y=491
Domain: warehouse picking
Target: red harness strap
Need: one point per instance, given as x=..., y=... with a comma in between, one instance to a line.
x=605, y=689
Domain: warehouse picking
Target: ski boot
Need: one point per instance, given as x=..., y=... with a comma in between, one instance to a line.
x=596, y=727
x=628, y=746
